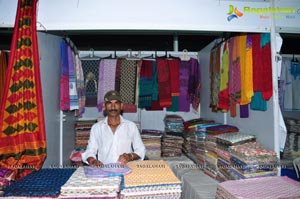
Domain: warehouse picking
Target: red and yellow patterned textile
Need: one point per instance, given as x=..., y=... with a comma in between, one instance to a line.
x=22, y=135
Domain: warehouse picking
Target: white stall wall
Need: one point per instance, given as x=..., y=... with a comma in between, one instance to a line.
x=191, y=15
x=49, y=46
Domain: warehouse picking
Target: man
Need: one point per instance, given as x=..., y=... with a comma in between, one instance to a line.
x=113, y=139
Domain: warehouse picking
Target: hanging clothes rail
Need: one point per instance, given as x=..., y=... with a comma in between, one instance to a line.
x=137, y=54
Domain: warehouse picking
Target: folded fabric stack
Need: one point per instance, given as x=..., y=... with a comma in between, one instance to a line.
x=292, y=144
x=198, y=142
x=152, y=179
x=82, y=132
x=211, y=157
x=80, y=186
x=152, y=141
x=171, y=146
x=44, y=183
x=191, y=128
x=224, y=141
x=174, y=124
x=275, y=187
x=251, y=160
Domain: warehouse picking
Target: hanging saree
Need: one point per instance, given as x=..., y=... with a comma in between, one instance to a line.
x=22, y=142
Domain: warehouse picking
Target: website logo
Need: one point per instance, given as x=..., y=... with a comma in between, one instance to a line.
x=233, y=13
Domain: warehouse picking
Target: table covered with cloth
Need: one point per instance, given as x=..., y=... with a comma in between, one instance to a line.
x=195, y=183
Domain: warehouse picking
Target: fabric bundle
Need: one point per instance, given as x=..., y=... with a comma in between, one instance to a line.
x=82, y=133
x=224, y=141
x=151, y=179
x=172, y=140
x=211, y=157
x=292, y=144
x=194, y=139
x=269, y=188
x=171, y=146
x=152, y=141
x=44, y=183
x=251, y=159
x=79, y=186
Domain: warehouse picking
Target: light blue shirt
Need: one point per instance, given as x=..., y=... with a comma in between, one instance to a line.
x=109, y=146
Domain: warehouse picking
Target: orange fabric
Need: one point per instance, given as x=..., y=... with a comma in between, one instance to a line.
x=22, y=135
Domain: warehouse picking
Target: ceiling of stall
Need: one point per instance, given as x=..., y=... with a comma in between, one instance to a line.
x=147, y=40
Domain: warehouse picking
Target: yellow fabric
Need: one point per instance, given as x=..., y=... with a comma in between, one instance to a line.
x=243, y=39
x=248, y=77
x=149, y=172
x=225, y=69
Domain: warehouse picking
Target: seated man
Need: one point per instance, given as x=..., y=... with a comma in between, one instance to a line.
x=113, y=139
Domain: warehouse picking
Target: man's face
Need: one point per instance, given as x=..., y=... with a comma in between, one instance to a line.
x=113, y=107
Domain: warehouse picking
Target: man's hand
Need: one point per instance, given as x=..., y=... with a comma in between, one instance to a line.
x=124, y=158
x=94, y=163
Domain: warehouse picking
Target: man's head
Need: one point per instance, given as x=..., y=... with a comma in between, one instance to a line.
x=112, y=103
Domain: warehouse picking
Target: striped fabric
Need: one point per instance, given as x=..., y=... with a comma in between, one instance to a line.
x=22, y=142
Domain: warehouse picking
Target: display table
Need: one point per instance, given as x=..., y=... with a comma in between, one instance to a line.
x=195, y=183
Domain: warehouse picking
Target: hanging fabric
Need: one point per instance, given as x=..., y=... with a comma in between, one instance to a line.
x=3, y=70
x=223, y=96
x=80, y=86
x=64, y=78
x=164, y=87
x=106, y=80
x=23, y=142
x=128, y=69
x=72, y=80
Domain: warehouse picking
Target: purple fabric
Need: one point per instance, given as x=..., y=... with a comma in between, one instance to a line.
x=64, y=78
x=244, y=111
x=72, y=81
x=112, y=169
x=5, y=172
x=184, y=73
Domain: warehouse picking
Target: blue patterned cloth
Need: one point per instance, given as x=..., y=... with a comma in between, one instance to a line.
x=43, y=183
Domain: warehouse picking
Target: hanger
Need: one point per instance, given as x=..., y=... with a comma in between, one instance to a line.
x=91, y=56
x=295, y=60
x=164, y=56
x=185, y=56
x=71, y=44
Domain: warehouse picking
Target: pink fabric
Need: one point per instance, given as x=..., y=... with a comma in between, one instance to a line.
x=265, y=187
x=106, y=82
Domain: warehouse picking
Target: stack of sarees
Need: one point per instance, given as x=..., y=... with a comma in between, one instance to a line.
x=211, y=157
x=224, y=141
x=80, y=186
x=151, y=179
x=251, y=159
x=152, y=141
